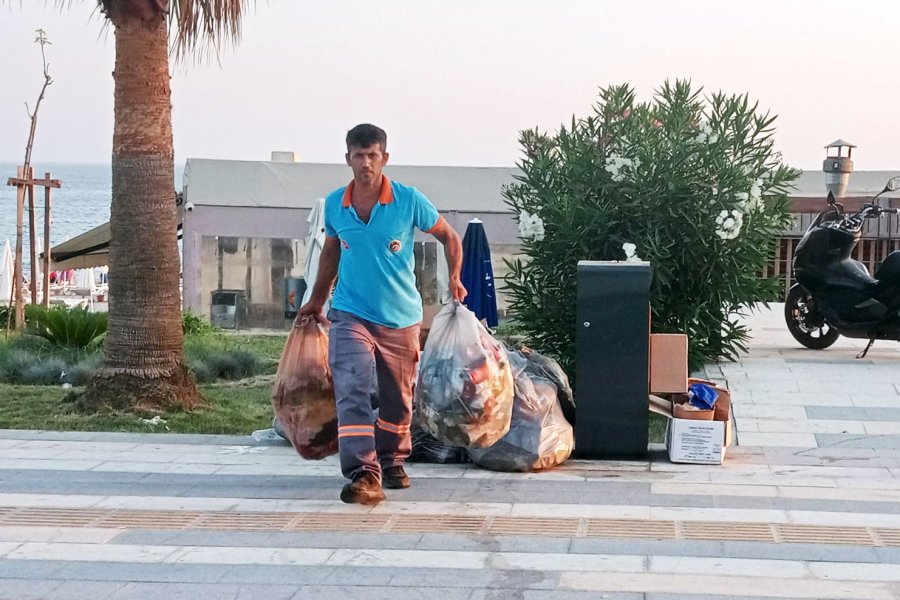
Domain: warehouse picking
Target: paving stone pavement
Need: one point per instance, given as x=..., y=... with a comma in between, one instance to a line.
x=807, y=505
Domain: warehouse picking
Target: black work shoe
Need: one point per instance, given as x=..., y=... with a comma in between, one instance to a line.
x=395, y=478
x=364, y=489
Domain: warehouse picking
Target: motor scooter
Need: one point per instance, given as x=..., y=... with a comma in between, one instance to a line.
x=834, y=294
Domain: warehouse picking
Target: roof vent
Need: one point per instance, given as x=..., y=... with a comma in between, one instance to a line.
x=285, y=157
x=837, y=167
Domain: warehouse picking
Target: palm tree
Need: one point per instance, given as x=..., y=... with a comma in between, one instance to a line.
x=144, y=364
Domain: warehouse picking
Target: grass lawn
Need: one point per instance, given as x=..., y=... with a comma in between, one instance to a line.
x=235, y=408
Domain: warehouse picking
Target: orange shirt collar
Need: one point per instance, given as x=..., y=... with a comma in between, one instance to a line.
x=385, y=197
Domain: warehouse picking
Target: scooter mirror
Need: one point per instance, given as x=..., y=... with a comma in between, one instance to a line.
x=893, y=184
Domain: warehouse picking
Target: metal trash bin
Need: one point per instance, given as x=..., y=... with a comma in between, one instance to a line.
x=612, y=353
x=229, y=308
x=294, y=289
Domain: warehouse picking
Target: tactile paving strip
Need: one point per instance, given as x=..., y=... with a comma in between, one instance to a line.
x=404, y=523
x=630, y=528
x=727, y=532
x=818, y=534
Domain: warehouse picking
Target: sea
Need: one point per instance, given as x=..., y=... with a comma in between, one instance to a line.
x=81, y=204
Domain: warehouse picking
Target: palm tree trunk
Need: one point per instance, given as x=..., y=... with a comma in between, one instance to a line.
x=144, y=357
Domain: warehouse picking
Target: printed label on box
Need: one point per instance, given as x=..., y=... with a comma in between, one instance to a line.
x=695, y=441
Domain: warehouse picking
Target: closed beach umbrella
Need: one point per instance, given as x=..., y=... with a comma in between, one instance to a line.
x=478, y=274
x=315, y=241
x=6, y=274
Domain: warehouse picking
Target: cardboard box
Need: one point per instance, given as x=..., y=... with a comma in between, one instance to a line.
x=723, y=402
x=668, y=363
x=692, y=441
x=698, y=442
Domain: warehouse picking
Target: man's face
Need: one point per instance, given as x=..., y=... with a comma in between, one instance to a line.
x=367, y=163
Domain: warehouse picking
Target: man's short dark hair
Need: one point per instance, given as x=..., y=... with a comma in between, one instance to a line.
x=366, y=135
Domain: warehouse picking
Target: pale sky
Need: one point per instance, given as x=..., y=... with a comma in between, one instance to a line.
x=453, y=82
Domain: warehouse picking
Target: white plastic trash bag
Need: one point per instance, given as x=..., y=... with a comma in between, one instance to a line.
x=539, y=436
x=464, y=393
x=544, y=366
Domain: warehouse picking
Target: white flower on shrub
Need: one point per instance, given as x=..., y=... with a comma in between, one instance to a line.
x=729, y=224
x=630, y=255
x=706, y=134
x=756, y=191
x=531, y=226
x=616, y=164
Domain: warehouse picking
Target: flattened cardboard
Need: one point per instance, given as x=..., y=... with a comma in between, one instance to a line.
x=668, y=363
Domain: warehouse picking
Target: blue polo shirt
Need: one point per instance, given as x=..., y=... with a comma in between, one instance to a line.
x=376, y=277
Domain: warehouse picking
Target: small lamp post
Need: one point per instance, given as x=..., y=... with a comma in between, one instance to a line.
x=837, y=167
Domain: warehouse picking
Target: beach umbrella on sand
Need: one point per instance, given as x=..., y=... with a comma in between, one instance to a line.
x=6, y=274
x=478, y=274
x=315, y=241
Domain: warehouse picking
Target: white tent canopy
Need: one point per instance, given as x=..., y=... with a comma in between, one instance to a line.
x=90, y=249
x=237, y=183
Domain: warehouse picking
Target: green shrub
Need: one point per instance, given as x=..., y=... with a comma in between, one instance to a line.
x=31, y=343
x=196, y=325
x=7, y=317
x=692, y=182
x=201, y=372
x=72, y=328
x=80, y=373
x=233, y=364
x=249, y=364
x=14, y=363
x=47, y=371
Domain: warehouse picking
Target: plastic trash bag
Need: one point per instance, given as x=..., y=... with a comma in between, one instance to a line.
x=268, y=436
x=544, y=366
x=303, y=396
x=464, y=393
x=539, y=436
x=428, y=449
x=702, y=396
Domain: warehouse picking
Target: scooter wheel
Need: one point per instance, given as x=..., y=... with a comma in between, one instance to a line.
x=805, y=322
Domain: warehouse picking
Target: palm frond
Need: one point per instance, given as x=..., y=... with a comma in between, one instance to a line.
x=197, y=26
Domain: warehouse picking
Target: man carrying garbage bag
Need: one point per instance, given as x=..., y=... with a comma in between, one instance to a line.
x=375, y=312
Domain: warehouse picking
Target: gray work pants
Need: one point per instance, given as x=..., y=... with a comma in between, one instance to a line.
x=364, y=357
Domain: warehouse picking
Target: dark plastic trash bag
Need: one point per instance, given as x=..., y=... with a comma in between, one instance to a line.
x=428, y=449
x=303, y=396
x=544, y=366
x=539, y=436
x=464, y=394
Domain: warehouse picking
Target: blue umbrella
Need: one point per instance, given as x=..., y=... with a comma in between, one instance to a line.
x=478, y=274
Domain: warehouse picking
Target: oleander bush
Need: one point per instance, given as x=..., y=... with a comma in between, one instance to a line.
x=689, y=182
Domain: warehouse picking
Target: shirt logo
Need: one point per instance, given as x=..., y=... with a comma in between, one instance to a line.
x=345, y=245
x=394, y=246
